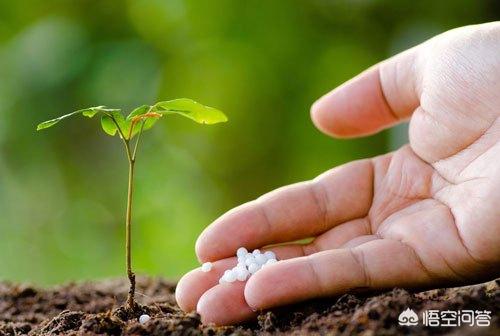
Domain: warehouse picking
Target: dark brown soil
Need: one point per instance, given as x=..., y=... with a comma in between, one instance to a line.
x=94, y=309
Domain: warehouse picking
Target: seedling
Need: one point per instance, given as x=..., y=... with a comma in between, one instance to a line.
x=139, y=120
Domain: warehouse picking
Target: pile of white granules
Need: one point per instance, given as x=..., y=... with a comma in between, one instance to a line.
x=248, y=264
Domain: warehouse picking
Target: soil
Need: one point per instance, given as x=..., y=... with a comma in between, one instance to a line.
x=94, y=309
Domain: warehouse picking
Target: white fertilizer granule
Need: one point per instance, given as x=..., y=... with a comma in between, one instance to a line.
x=261, y=259
x=144, y=318
x=270, y=255
x=249, y=263
x=250, y=259
x=230, y=276
x=241, y=252
x=206, y=267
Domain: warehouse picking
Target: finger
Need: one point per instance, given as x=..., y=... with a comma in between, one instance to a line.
x=211, y=302
x=224, y=304
x=359, y=241
x=192, y=285
x=195, y=283
x=376, y=99
x=290, y=213
x=379, y=263
x=338, y=236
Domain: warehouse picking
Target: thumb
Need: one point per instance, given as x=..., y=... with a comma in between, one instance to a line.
x=378, y=98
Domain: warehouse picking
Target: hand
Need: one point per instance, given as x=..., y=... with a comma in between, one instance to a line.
x=425, y=215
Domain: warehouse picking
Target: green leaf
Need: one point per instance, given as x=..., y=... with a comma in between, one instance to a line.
x=122, y=123
x=142, y=114
x=138, y=111
x=148, y=123
x=87, y=112
x=47, y=124
x=108, y=125
x=190, y=109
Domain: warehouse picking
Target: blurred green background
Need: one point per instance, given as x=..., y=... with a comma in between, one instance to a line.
x=63, y=191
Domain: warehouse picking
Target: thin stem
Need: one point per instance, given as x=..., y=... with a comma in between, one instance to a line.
x=138, y=138
x=128, y=242
x=140, y=133
x=128, y=217
x=122, y=136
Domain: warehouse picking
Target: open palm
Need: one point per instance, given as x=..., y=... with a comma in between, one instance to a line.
x=425, y=215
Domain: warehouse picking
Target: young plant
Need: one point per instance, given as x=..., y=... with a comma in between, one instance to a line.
x=139, y=120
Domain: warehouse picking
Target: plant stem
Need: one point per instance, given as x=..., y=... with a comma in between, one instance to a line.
x=128, y=222
x=137, y=141
x=128, y=242
x=128, y=217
